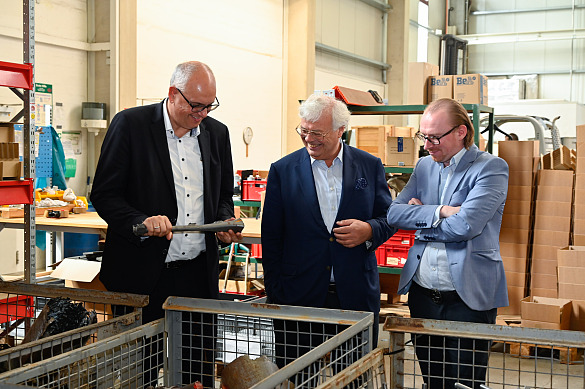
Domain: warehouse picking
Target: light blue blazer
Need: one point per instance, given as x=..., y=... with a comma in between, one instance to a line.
x=479, y=185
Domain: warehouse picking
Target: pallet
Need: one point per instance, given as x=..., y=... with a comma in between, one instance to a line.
x=564, y=355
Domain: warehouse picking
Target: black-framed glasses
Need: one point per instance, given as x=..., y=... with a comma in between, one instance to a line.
x=196, y=108
x=319, y=135
x=434, y=139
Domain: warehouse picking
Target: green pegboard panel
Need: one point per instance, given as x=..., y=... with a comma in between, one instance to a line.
x=70, y=167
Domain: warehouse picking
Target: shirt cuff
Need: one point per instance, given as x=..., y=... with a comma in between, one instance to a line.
x=437, y=218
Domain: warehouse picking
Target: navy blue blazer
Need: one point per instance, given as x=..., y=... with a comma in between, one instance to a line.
x=297, y=249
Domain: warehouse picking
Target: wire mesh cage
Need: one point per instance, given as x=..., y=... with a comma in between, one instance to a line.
x=498, y=356
x=198, y=339
x=40, y=321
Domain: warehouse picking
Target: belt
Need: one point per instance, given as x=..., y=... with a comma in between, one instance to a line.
x=437, y=296
x=181, y=262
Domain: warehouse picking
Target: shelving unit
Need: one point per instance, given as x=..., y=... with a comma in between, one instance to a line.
x=21, y=76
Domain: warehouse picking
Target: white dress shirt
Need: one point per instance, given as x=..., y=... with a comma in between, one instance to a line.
x=328, y=184
x=187, y=167
x=433, y=271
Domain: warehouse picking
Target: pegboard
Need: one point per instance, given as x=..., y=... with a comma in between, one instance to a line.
x=43, y=149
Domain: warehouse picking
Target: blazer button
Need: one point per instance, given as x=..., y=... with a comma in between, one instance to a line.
x=418, y=257
x=331, y=239
x=165, y=251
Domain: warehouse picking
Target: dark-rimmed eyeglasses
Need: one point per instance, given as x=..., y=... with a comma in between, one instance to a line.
x=319, y=135
x=196, y=108
x=434, y=139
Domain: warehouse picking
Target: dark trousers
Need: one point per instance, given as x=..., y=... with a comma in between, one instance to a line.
x=198, y=336
x=446, y=360
x=295, y=338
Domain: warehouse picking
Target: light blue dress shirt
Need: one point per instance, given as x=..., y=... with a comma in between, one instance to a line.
x=433, y=271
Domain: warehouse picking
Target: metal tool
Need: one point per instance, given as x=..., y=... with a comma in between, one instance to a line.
x=236, y=225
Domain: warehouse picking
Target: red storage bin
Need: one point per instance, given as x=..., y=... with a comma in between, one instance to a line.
x=251, y=189
x=256, y=251
x=394, y=252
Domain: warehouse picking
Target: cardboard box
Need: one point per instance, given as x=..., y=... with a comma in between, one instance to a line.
x=544, y=281
x=571, y=291
x=544, y=266
x=516, y=278
x=579, y=239
x=512, y=235
x=545, y=252
x=580, y=198
x=551, y=238
x=7, y=133
x=522, y=193
x=555, y=312
x=515, y=250
x=371, y=139
x=571, y=275
x=571, y=256
x=562, y=158
x=516, y=221
x=578, y=315
x=522, y=178
x=79, y=273
x=544, y=292
x=518, y=207
x=405, y=132
x=519, y=148
x=552, y=223
x=520, y=164
x=552, y=208
x=470, y=89
x=400, y=152
x=555, y=178
x=418, y=74
x=552, y=193
x=515, y=296
x=579, y=226
x=514, y=264
x=440, y=87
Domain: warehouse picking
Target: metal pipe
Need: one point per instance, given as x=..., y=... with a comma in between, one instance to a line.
x=509, y=11
x=385, y=7
x=332, y=50
x=385, y=44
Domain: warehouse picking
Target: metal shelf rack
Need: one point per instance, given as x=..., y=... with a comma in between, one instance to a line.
x=21, y=76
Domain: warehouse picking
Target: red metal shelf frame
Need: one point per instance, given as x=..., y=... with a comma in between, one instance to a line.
x=17, y=192
x=16, y=75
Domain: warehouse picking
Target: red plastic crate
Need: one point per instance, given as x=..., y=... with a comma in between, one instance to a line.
x=251, y=189
x=394, y=251
x=256, y=250
x=16, y=307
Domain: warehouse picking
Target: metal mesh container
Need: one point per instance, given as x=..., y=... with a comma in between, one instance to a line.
x=198, y=338
x=23, y=316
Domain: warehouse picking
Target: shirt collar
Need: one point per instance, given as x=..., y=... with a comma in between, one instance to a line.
x=169, y=127
x=455, y=159
x=339, y=155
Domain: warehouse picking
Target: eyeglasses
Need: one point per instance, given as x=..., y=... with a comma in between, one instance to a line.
x=434, y=139
x=319, y=135
x=196, y=108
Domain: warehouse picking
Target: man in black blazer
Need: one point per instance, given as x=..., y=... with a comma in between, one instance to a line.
x=166, y=164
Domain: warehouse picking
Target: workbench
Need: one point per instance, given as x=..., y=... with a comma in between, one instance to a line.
x=91, y=223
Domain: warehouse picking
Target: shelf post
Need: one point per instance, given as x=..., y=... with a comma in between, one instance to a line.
x=29, y=142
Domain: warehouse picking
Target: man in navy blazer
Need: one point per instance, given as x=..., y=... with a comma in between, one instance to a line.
x=324, y=217
x=455, y=199
x=161, y=165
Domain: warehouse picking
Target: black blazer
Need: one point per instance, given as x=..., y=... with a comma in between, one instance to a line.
x=134, y=180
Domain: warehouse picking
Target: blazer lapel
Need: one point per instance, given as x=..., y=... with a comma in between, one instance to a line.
x=349, y=178
x=462, y=167
x=307, y=184
x=204, y=146
x=157, y=131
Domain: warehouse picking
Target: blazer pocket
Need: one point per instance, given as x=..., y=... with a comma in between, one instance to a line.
x=488, y=254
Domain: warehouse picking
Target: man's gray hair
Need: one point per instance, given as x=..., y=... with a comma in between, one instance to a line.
x=183, y=73
x=312, y=109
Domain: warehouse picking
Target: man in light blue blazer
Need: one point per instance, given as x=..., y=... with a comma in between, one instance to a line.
x=324, y=216
x=455, y=200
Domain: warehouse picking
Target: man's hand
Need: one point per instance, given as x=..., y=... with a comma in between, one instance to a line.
x=414, y=201
x=352, y=232
x=159, y=225
x=447, y=210
x=229, y=236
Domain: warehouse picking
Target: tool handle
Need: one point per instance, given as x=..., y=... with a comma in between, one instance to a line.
x=234, y=225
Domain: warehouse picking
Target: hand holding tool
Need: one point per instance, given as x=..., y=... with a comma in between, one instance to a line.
x=236, y=226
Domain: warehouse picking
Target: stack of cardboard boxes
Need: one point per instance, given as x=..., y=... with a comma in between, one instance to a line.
x=579, y=208
x=395, y=146
x=515, y=236
x=10, y=164
x=552, y=224
x=426, y=85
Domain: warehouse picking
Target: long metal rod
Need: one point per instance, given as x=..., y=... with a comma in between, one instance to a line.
x=346, y=54
x=29, y=141
x=377, y=4
x=516, y=11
